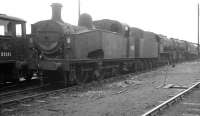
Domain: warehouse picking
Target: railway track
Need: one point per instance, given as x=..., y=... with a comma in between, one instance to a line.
x=19, y=85
x=15, y=97
x=186, y=103
x=20, y=91
x=28, y=95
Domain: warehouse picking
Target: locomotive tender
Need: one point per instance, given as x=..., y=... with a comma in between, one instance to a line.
x=98, y=49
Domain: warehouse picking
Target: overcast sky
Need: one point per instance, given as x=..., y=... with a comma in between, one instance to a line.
x=173, y=18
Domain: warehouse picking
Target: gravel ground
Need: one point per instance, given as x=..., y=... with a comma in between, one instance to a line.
x=131, y=96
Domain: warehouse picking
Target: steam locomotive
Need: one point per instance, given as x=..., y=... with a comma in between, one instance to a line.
x=13, y=49
x=99, y=49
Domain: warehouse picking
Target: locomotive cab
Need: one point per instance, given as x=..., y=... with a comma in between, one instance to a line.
x=13, y=47
x=12, y=28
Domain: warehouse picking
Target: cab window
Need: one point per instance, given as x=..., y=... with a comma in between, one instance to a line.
x=18, y=28
x=2, y=30
x=3, y=27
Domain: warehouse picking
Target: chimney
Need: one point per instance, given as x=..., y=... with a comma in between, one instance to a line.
x=56, y=11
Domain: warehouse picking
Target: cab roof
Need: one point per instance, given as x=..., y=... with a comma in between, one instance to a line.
x=11, y=18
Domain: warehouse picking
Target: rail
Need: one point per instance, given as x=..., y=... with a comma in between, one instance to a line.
x=158, y=109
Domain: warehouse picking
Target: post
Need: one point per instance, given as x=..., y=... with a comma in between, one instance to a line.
x=79, y=8
x=127, y=35
x=198, y=29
